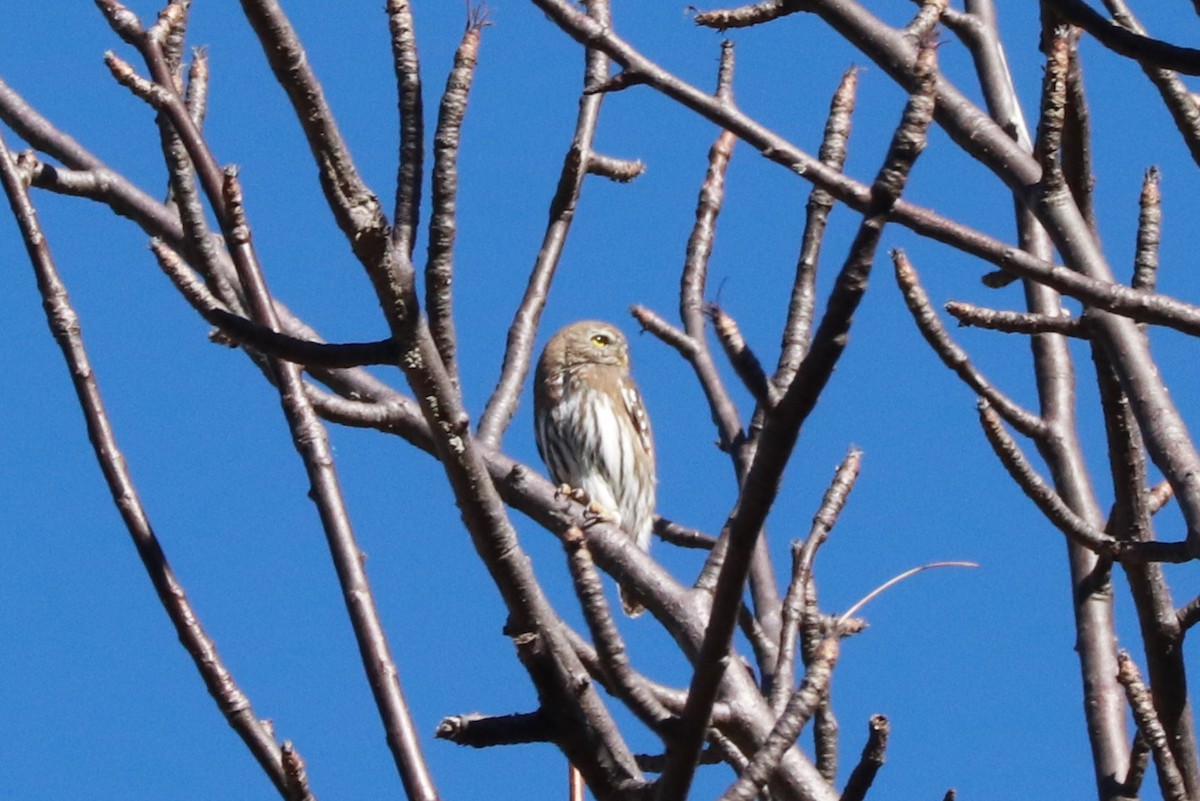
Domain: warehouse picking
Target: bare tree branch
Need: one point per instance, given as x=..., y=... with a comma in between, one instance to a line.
x=745, y=363
x=614, y=659
x=481, y=731
x=803, y=554
x=1059, y=513
x=1139, y=760
x=1146, y=51
x=309, y=436
x=1145, y=260
x=355, y=207
x=1011, y=322
x=521, y=334
x=410, y=172
x=783, y=427
x=799, y=709
x=955, y=357
x=439, y=267
x=1173, y=91
x=1131, y=519
x=674, y=533
x=243, y=331
x=871, y=761
x=65, y=327
x=746, y=16
x=1142, y=704
x=797, y=331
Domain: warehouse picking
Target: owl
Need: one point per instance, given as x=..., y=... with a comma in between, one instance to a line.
x=592, y=430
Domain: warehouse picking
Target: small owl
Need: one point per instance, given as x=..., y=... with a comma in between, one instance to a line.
x=592, y=430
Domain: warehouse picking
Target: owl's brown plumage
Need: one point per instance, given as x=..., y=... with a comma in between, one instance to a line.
x=592, y=429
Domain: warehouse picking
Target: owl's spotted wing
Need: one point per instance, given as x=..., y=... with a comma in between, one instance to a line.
x=632, y=400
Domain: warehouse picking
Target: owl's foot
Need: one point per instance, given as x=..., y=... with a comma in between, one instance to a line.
x=593, y=512
x=574, y=493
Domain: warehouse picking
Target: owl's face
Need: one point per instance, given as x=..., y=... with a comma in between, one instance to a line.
x=588, y=342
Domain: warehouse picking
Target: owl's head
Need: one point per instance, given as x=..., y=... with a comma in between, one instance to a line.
x=586, y=342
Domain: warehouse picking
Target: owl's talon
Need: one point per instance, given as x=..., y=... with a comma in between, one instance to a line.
x=594, y=513
x=577, y=494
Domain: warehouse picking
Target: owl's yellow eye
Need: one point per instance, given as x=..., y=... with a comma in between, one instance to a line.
x=601, y=340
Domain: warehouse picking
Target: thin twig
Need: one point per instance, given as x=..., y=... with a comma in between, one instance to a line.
x=1059, y=513
x=1141, y=703
x=692, y=286
x=800, y=707
x=672, y=532
x=670, y=698
x=1149, y=232
x=355, y=207
x=782, y=428
x=1188, y=614
x=195, y=96
x=871, y=761
x=653, y=763
x=1159, y=496
x=1011, y=322
x=1077, y=137
x=745, y=363
x=410, y=171
x=1174, y=92
x=803, y=554
x=674, y=336
x=485, y=731
x=893, y=581
x=798, y=328
x=725, y=416
x=746, y=16
x=1048, y=143
x=439, y=266
x=1143, y=49
x=295, y=772
x=955, y=357
x=610, y=647
x=243, y=331
x=518, y=351
x=620, y=170
x=1139, y=760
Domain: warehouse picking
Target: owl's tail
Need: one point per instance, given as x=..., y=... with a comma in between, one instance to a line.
x=632, y=607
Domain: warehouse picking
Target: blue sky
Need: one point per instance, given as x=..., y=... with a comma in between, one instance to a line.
x=974, y=668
